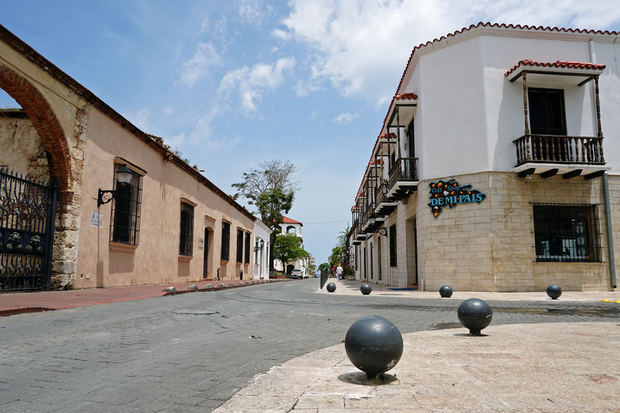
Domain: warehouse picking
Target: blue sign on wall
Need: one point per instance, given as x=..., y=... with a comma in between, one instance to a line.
x=451, y=194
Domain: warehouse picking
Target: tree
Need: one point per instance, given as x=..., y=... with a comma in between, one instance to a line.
x=271, y=190
x=343, y=243
x=287, y=248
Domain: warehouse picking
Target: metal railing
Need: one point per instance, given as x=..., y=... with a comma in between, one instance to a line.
x=559, y=149
x=404, y=169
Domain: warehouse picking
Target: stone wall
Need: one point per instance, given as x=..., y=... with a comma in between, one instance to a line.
x=21, y=148
x=490, y=246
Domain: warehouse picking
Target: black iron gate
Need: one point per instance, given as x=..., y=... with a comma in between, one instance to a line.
x=27, y=213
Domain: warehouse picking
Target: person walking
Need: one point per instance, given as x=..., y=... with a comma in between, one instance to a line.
x=339, y=272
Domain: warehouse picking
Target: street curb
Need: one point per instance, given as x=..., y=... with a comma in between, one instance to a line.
x=23, y=310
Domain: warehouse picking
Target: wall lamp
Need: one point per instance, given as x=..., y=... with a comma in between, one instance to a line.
x=259, y=245
x=382, y=231
x=123, y=176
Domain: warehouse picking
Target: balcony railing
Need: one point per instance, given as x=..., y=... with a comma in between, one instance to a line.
x=404, y=169
x=382, y=193
x=369, y=212
x=560, y=149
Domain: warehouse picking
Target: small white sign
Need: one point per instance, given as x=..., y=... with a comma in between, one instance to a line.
x=95, y=218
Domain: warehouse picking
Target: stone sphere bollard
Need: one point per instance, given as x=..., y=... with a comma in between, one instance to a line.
x=366, y=289
x=170, y=290
x=192, y=287
x=331, y=287
x=374, y=345
x=445, y=291
x=475, y=314
x=554, y=291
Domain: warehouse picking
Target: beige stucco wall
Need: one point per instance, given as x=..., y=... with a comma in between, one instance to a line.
x=155, y=259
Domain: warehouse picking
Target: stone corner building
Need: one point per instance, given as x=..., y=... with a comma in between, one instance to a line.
x=497, y=167
x=166, y=222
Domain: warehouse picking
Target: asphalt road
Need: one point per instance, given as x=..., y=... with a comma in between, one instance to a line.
x=191, y=352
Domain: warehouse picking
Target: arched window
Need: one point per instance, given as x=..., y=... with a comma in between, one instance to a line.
x=291, y=230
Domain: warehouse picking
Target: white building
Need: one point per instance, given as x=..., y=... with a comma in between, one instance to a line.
x=262, y=248
x=498, y=165
x=291, y=226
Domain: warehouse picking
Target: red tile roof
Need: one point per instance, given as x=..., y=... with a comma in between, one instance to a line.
x=406, y=96
x=287, y=220
x=560, y=63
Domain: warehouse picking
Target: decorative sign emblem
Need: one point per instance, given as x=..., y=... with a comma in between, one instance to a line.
x=451, y=194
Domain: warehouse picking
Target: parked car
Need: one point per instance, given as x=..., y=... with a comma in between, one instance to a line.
x=296, y=274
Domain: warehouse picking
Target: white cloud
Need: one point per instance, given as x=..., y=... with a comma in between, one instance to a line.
x=141, y=118
x=251, y=83
x=362, y=46
x=204, y=58
x=202, y=134
x=281, y=34
x=253, y=11
x=345, y=118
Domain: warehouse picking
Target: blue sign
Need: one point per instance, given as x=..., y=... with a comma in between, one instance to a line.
x=451, y=194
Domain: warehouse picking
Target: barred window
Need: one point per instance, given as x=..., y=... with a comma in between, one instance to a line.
x=247, y=248
x=125, y=225
x=187, y=230
x=566, y=233
x=240, y=245
x=393, y=246
x=225, y=254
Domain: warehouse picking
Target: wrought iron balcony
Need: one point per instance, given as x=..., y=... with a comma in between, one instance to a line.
x=587, y=150
x=403, y=178
x=384, y=205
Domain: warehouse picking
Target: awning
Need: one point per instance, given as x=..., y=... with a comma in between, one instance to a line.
x=578, y=73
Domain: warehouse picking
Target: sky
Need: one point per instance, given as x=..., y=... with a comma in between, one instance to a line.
x=231, y=84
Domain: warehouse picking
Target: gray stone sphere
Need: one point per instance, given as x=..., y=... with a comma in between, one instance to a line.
x=554, y=291
x=366, y=289
x=475, y=314
x=331, y=287
x=445, y=291
x=374, y=345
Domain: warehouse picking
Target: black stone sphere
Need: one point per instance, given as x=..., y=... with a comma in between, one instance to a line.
x=374, y=345
x=475, y=314
x=331, y=287
x=365, y=289
x=554, y=291
x=445, y=291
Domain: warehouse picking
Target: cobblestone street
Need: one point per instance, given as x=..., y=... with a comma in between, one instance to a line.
x=192, y=352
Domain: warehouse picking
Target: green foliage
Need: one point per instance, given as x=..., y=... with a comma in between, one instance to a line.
x=287, y=248
x=324, y=267
x=270, y=188
x=336, y=257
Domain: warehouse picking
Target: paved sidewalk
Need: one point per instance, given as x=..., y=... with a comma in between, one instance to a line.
x=22, y=302
x=348, y=287
x=557, y=367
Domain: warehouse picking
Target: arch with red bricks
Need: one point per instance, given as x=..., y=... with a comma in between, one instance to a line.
x=47, y=126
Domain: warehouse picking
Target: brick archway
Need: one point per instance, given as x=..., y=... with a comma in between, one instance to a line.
x=45, y=122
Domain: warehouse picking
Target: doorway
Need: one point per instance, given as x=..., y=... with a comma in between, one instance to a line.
x=205, y=263
x=379, y=257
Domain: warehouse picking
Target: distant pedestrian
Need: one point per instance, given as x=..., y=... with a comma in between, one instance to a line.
x=339, y=272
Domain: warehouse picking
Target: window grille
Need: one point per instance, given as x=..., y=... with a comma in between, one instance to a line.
x=187, y=230
x=247, y=248
x=125, y=225
x=393, y=245
x=225, y=254
x=239, y=245
x=566, y=233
